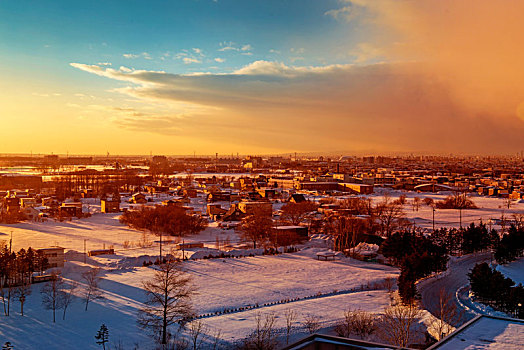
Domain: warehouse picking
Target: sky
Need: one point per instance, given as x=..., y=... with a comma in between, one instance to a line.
x=261, y=76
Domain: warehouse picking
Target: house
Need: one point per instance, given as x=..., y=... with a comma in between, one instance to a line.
x=110, y=205
x=31, y=213
x=11, y=204
x=50, y=202
x=288, y=235
x=267, y=192
x=356, y=188
x=55, y=256
x=300, y=231
x=233, y=214
x=27, y=202
x=218, y=196
x=297, y=198
x=317, y=186
x=190, y=192
x=138, y=198
x=249, y=207
x=215, y=210
x=71, y=209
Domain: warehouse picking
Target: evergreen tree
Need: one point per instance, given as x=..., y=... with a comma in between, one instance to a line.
x=475, y=238
x=102, y=336
x=511, y=246
x=406, y=285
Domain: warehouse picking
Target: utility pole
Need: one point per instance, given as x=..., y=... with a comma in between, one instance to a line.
x=183, y=250
x=85, y=252
x=433, y=219
x=11, y=242
x=460, y=217
x=160, y=232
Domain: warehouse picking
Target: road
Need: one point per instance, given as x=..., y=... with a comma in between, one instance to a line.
x=451, y=281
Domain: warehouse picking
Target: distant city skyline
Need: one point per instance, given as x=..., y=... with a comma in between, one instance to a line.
x=262, y=77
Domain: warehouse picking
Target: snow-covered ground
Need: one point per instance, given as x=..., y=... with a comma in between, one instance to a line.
x=513, y=270
x=489, y=208
x=323, y=288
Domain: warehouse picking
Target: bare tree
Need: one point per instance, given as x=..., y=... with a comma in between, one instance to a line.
x=312, y=323
x=168, y=299
x=295, y=213
x=196, y=333
x=7, y=284
x=397, y=324
x=263, y=336
x=401, y=199
x=52, y=295
x=389, y=282
x=291, y=317
x=446, y=314
x=518, y=220
x=257, y=227
x=92, y=290
x=21, y=293
x=358, y=322
x=388, y=215
x=508, y=202
x=68, y=296
x=416, y=203
x=503, y=223
x=216, y=337
x=346, y=230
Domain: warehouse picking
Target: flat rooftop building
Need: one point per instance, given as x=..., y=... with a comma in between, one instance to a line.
x=55, y=256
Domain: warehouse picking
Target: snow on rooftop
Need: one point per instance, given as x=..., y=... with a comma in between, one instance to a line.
x=487, y=333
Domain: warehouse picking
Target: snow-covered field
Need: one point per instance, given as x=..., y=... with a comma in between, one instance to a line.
x=324, y=288
x=489, y=208
x=329, y=286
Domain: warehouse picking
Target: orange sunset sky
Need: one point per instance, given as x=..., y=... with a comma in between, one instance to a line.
x=354, y=76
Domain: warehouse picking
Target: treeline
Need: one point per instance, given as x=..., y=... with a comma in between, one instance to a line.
x=492, y=288
x=417, y=257
x=16, y=271
x=171, y=220
x=474, y=238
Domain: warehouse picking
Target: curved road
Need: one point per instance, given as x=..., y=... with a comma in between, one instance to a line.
x=452, y=280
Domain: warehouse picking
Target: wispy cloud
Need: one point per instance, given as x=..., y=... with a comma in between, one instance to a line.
x=189, y=60
x=297, y=51
x=344, y=13
x=144, y=55
x=231, y=46
x=198, y=51
x=220, y=60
